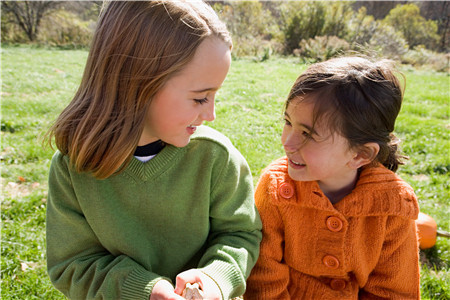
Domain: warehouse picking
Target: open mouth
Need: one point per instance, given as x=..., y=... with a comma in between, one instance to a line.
x=191, y=129
x=296, y=164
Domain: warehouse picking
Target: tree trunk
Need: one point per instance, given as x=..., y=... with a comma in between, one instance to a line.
x=28, y=14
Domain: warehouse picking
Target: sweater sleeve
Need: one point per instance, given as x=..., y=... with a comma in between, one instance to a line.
x=235, y=227
x=270, y=276
x=396, y=275
x=77, y=263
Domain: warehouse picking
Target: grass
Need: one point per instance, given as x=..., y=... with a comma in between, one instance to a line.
x=38, y=83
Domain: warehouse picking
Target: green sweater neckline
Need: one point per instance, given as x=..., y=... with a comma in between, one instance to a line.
x=148, y=170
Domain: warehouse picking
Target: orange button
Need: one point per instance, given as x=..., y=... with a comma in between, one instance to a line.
x=286, y=190
x=334, y=224
x=337, y=284
x=331, y=262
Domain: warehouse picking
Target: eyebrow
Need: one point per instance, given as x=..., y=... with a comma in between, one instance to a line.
x=312, y=131
x=212, y=89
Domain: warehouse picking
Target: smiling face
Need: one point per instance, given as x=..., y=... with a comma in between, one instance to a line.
x=187, y=99
x=315, y=154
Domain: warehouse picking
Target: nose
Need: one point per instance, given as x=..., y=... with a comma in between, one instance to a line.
x=291, y=142
x=208, y=113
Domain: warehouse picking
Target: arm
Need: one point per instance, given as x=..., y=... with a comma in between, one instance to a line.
x=396, y=275
x=270, y=277
x=235, y=227
x=77, y=263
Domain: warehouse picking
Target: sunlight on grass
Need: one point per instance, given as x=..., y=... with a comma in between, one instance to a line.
x=38, y=83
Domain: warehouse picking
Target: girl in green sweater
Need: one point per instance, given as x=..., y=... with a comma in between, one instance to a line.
x=143, y=199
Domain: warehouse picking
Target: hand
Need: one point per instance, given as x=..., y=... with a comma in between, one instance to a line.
x=163, y=290
x=210, y=289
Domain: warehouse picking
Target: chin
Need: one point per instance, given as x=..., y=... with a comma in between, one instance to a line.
x=295, y=175
x=180, y=144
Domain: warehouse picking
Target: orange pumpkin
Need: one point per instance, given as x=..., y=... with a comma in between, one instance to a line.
x=426, y=231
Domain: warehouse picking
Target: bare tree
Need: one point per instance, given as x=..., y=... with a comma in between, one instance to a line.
x=28, y=14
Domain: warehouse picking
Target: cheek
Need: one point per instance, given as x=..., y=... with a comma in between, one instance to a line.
x=287, y=135
x=283, y=137
x=315, y=155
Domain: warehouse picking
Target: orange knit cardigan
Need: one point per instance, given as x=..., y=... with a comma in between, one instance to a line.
x=363, y=247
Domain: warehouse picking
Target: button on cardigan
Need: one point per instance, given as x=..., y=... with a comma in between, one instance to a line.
x=363, y=247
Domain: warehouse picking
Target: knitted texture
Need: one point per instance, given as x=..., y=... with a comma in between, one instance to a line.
x=189, y=207
x=363, y=247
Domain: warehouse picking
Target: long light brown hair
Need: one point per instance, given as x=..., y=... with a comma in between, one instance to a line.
x=136, y=48
x=361, y=100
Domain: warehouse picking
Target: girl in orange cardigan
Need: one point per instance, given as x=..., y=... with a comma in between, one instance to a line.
x=338, y=223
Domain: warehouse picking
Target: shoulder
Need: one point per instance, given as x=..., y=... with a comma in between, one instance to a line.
x=276, y=171
x=59, y=160
x=208, y=134
x=381, y=180
x=273, y=178
x=385, y=193
x=211, y=140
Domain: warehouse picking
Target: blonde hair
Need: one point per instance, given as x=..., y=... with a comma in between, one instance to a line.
x=136, y=48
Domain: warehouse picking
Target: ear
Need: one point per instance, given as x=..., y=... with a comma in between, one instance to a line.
x=364, y=155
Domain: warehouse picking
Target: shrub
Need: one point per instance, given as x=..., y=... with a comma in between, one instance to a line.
x=11, y=32
x=415, y=29
x=388, y=42
x=65, y=29
x=337, y=17
x=361, y=28
x=422, y=57
x=301, y=21
x=252, y=27
x=321, y=48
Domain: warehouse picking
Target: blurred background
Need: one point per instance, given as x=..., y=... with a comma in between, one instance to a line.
x=411, y=32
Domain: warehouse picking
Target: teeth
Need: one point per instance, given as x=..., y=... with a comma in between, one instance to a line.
x=296, y=163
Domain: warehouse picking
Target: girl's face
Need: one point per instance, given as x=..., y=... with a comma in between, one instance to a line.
x=187, y=99
x=316, y=155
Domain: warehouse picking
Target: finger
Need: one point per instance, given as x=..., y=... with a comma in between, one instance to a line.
x=180, y=285
x=190, y=276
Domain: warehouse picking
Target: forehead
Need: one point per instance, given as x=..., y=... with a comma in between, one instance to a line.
x=300, y=103
x=309, y=110
x=208, y=67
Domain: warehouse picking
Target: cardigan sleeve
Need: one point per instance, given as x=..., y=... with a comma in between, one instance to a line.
x=270, y=277
x=396, y=275
x=235, y=226
x=77, y=263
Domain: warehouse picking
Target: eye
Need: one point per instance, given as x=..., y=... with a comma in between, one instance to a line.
x=306, y=134
x=287, y=122
x=201, y=101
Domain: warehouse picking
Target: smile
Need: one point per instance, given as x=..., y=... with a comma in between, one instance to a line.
x=295, y=164
x=191, y=129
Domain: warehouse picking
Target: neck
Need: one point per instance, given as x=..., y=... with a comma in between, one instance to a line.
x=337, y=192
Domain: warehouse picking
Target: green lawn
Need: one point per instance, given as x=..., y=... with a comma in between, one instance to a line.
x=38, y=83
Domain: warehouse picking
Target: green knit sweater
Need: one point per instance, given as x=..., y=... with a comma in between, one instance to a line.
x=189, y=207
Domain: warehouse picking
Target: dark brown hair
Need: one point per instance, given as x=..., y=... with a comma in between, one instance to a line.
x=136, y=48
x=361, y=100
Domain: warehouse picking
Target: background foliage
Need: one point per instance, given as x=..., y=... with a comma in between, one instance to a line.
x=312, y=30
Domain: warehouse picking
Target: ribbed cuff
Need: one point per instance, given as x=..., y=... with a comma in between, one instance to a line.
x=139, y=285
x=230, y=281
